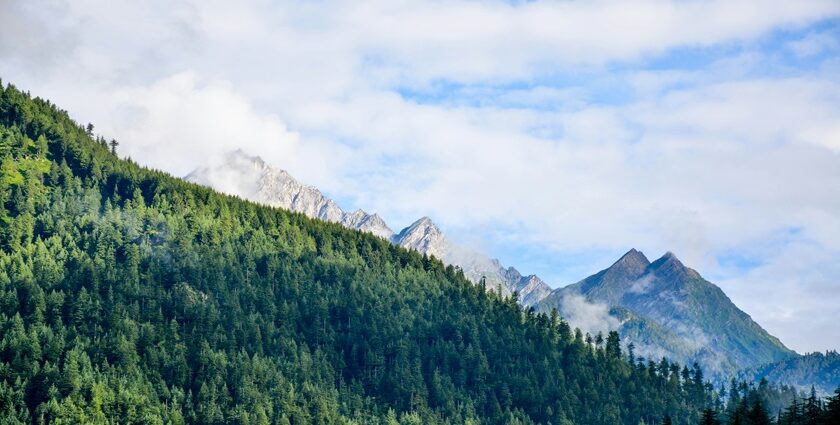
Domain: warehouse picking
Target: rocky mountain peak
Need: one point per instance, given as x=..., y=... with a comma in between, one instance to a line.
x=670, y=266
x=669, y=256
x=365, y=222
x=633, y=259
x=423, y=236
x=425, y=222
x=531, y=290
x=628, y=268
x=252, y=178
x=512, y=274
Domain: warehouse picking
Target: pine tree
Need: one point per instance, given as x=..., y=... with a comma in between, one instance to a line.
x=792, y=414
x=738, y=414
x=757, y=415
x=709, y=417
x=613, y=347
x=812, y=409
x=832, y=409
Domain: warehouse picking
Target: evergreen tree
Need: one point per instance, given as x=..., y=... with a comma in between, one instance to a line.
x=709, y=417
x=757, y=415
x=812, y=409
x=792, y=414
x=832, y=411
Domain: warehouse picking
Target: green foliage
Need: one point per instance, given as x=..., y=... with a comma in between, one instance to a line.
x=129, y=296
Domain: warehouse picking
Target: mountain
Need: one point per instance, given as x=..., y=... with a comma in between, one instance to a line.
x=821, y=370
x=131, y=296
x=250, y=177
x=425, y=237
x=667, y=309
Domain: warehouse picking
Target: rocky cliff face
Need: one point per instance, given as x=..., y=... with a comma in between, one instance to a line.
x=252, y=178
x=668, y=309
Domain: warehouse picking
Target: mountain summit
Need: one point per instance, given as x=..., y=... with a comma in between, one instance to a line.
x=250, y=177
x=608, y=284
x=668, y=309
x=423, y=236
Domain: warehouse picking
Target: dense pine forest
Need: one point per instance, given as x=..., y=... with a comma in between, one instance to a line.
x=130, y=296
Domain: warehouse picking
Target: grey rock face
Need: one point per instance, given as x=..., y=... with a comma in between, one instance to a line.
x=371, y=223
x=424, y=237
x=532, y=290
x=251, y=178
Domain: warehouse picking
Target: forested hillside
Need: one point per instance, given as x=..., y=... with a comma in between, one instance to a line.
x=129, y=296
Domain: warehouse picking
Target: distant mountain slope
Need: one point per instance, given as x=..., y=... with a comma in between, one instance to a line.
x=252, y=178
x=425, y=237
x=668, y=309
x=817, y=369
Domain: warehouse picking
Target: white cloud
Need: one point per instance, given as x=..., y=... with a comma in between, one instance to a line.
x=812, y=44
x=641, y=285
x=178, y=124
x=790, y=297
x=587, y=316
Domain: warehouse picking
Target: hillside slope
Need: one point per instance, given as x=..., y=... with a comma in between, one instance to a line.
x=127, y=296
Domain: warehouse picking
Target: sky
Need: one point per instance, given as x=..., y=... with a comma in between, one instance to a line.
x=554, y=135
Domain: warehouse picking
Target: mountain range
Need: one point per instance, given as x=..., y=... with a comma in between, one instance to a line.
x=663, y=308
x=250, y=177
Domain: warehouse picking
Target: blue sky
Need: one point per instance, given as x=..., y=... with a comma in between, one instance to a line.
x=552, y=135
x=609, y=85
